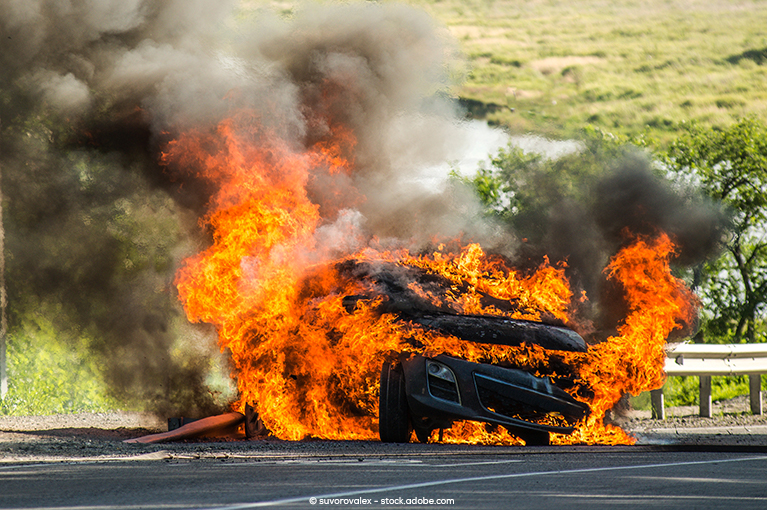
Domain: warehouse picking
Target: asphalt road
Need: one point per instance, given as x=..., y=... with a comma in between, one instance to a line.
x=414, y=476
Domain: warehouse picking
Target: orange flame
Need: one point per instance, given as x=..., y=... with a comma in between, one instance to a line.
x=633, y=361
x=310, y=366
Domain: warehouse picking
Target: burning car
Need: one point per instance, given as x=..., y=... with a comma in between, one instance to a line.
x=422, y=393
x=468, y=339
x=423, y=389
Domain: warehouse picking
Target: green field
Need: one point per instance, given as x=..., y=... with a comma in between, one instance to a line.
x=625, y=66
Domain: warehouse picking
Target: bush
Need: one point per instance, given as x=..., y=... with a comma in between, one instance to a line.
x=47, y=375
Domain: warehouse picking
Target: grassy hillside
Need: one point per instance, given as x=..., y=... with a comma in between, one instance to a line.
x=625, y=66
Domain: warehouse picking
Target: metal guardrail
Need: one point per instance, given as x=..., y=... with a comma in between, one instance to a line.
x=706, y=360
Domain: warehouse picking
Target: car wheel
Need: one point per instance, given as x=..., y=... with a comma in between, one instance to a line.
x=393, y=414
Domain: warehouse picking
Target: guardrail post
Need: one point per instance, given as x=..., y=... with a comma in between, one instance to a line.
x=658, y=404
x=755, y=393
x=705, y=396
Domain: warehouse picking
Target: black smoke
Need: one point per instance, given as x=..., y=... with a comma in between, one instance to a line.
x=90, y=93
x=597, y=214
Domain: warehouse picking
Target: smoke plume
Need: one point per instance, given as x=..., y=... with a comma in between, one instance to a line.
x=92, y=91
x=599, y=214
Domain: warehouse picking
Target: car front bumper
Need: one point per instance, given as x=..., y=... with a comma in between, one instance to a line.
x=444, y=389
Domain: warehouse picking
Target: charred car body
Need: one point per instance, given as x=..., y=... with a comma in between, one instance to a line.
x=421, y=393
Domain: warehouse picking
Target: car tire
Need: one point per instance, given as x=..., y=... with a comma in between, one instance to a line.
x=393, y=414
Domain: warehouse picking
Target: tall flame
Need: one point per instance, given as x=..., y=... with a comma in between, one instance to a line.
x=310, y=365
x=632, y=361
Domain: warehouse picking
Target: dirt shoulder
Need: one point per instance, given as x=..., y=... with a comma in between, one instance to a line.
x=100, y=436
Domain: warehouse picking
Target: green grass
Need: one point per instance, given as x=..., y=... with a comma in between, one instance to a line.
x=626, y=66
x=51, y=373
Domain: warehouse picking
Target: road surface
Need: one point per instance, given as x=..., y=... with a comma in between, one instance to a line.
x=370, y=475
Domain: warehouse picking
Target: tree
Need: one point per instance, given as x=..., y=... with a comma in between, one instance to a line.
x=730, y=166
x=522, y=187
